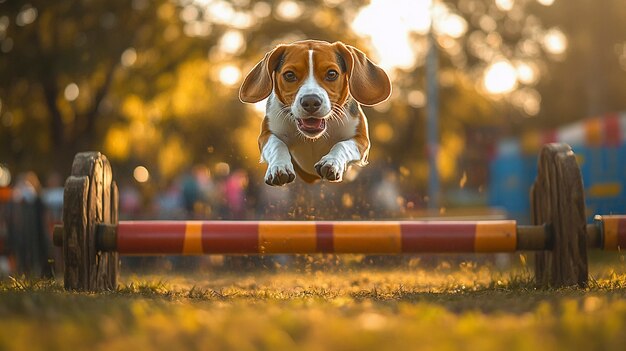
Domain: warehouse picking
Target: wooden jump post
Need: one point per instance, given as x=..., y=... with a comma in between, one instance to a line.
x=92, y=238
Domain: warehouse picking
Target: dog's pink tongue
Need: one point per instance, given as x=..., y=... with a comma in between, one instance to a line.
x=313, y=123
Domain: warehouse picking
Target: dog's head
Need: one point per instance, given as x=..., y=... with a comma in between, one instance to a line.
x=313, y=81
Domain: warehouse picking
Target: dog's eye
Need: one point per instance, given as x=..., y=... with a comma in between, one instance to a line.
x=290, y=76
x=332, y=75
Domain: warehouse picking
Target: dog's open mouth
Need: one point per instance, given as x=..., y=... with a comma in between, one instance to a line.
x=312, y=126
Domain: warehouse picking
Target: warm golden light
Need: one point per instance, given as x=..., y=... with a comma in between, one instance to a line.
x=232, y=42
x=289, y=10
x=222, y=169
x=527, y=73
x=261, y=9
x=528, y=100
x=500, y=77
x=452, y=25
x=71, y=92
x=5, y=176
x=555, y=41
x=27, y=16
x=260, y=106
x=189, y=13
x=505, y=5
x=197, y=29
x=116, y=143
x=129, y=57
x=141, y=174
x=416, y=98
x=546, y=2
x=229, y=75
x=383, y=132
x=389, y=29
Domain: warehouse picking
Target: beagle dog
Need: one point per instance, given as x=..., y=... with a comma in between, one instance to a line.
x=314, y=125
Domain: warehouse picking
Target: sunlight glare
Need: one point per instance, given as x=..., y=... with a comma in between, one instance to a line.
x=289, y=10
x=500, y=77
x=555, y=41
x=221, y=12
x=505, y=5
x=389, y=28
x=229, y=75
x=232, y=42
x=526, y=73
x=260, y=106
x=451, y=25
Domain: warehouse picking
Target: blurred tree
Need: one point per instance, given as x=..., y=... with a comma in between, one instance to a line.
x=589, y=80
x=155, y=82
x=66, y=65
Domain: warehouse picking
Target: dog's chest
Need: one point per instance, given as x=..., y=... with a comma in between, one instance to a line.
x=307, y=152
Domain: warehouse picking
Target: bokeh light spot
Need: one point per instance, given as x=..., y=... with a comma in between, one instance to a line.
x=232, y=42
x=71, y=92
x=27, y=15
x=546, y=2
x=500, y=77
x=416, y=98
x=141, y=174
x=289, y=10
x=555, y=41
x=527, y=73
x=261, y=9
x=222, y=169
x=5, y=176
x=505, y=5
x=383, y=132
x=229, y=75
x=129, y=57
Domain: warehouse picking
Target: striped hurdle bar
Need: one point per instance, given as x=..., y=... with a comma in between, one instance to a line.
x=92, y=238
x=149, y=238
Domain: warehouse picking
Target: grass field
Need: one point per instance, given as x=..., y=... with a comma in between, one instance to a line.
x=447, y=307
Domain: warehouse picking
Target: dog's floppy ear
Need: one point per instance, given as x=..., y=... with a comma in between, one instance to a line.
x=369, y=84
x=260, y=81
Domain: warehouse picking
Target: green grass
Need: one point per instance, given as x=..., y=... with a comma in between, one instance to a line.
x=449, y=307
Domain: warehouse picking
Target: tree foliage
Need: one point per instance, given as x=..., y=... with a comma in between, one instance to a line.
x=155, y=82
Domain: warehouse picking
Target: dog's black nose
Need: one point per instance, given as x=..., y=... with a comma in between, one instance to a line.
x=311, y=103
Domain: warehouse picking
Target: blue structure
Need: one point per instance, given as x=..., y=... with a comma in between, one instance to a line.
x=600, y=147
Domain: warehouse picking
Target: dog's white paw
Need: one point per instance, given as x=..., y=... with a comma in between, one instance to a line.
x=330, y=168
x=279, y=174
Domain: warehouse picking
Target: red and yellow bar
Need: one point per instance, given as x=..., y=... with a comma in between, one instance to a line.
x=276, y=237
x=613, y=232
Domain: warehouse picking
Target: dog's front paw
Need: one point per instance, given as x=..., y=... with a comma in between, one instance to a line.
x=330, y=168
x=279, y=174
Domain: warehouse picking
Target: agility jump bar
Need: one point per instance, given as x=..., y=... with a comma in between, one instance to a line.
x=368, y=237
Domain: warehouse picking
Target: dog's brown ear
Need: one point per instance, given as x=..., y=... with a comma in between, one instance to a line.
x=369, y=84
x=259, y=83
